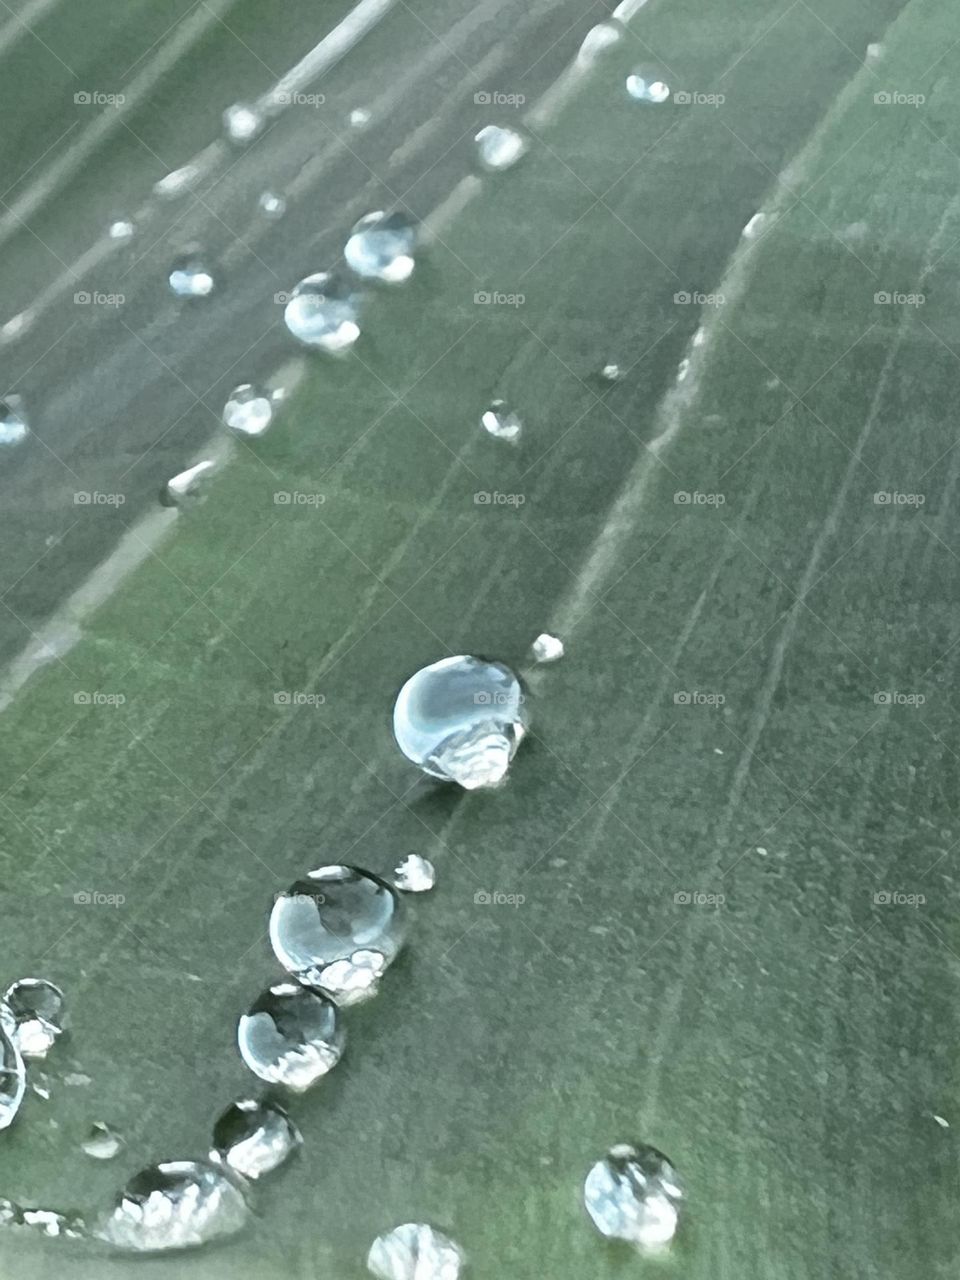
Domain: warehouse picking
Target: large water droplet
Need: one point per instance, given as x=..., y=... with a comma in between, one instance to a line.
x=381, y=247
x=189, y=487
x=291, y=1036
x=254, y=1138
x=415, y=874
x=13, y=1079
x=249, y=411
x=38, y=1010
x=190, y=277
x=102, y=1142
x=634, y=1194
x=175, y=1205
x=242, y=122
x=338, y=930
x=415, y=1251
x=461, y=719
x=323, y=312
x=499, y=147
x=13, y=420
x=271, y=205
x=501, y=422
x=645, y=86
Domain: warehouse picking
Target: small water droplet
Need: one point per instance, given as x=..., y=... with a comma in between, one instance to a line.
x=415, y=1251
x=102, y=1142
x=415, y=874
x=175, y=1205
x=499, y=147
x=646, y=86
x=176, y=183
x=249, y=411
x=254, y=1138
x=381, y=247
x=611, y=373
x=14, y=426
x=77, y=1079
x=598, y=38
x=122, y=229
x=13, y=1079
x=38, y=1009
x=189, y=488
x=944, y=1124
x=683, y=369
x=291, y=1036
x=754, y=226
x=190, y=277
x=501, y=422
x=874, y=52
x=547, y=648
x=242, y=122
x=461, y=719
x=322, y=312
x=271, y=205
x=11, y=1215
x=358, y=117
x=52, y=1224
x=634, y=1194
x=338, y=929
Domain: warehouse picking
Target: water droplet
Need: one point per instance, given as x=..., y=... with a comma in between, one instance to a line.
x=498, y=147
x=102, y=1142
x=254, y=1138
x=176, y=1205
x=176, y=183
x=13, y=1079
x=122, y=229
x=291, y=1036
x=634, y=1194
x=53, y=1224
x=38, y=1010
x=242, y=122
x=13, y=420
x=754, y=226
x=874, y=52
x=611, y=373
x=461, y=719
x=359, y=116
x=189, y=487
x=646, y=86
x=322, y=312
x=11, y=1215
x=597, y=39
x=501, y=422
x=547, y=648
x=190, y=277
x=249, y=411
x=338, y=930
x=944, y=1124
x=415, y=874
x=683, y=368
x=381, y=247
x=271, y=205
x=415, y=1251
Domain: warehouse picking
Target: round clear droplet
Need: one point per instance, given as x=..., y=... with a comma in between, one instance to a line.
x=242, y=122
x=338, y=930
x=547, y=648
x=271, y=205
x=191, y=277
x=415, y=874
x=634, y=1194
x=323, y=312
x=381, y=247
x=14, y=426
x=359, y=117
x=175, y=1205
x=102, y=1142
x=291, y=1036
x=415, y=1251
x=39, y=1012
x=646, y=86
x=254, y=1137
x=501, y=422
x=499, y=147
x=461, y=719
x=611, y=373
x=13, y=1079
x=249, y=411
x=122, y=229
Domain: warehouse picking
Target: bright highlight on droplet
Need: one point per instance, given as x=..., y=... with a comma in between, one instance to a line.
x=647, y=88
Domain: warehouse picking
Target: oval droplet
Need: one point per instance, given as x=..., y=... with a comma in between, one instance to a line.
x=249, y=411
x=291, y=1036
x=415, y=1251
x=498, y=147
x=634, y=1194
x=323, y=312
x=381, y=247
x=254, y=1138
x=178, y=1204
x=39, y=1015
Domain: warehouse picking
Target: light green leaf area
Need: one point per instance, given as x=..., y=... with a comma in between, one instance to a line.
x=714, y=728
